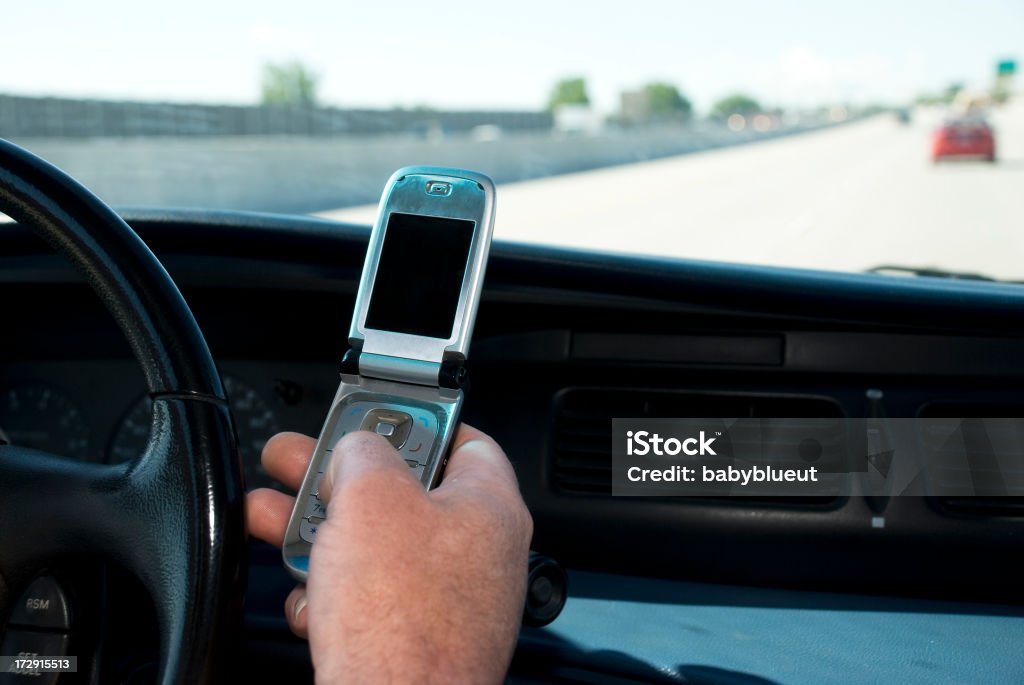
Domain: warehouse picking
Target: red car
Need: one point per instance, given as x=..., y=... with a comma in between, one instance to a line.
x=964, y=138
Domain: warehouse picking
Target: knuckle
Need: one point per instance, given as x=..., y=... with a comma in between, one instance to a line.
x=525, y=519
x=502, y=512
x=362, y=489
x=376, y=489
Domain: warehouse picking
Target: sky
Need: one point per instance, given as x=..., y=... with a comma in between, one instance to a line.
x=494, y=55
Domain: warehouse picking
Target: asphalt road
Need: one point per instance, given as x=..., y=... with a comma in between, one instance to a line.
x=846, y=198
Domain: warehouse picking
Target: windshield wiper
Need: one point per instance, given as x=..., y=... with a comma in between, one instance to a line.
x=930, y=272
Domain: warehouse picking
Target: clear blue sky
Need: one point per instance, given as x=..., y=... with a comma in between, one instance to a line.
x=507, y=55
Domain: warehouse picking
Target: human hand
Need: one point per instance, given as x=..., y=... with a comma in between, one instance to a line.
x=404, y=585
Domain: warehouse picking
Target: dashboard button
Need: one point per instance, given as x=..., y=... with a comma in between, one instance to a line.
x=30, y=644
x=42, y=605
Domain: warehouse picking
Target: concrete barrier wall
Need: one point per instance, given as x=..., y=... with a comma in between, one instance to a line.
x=314, y=173
x=22, y=117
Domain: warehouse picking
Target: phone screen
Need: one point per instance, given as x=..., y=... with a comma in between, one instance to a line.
x=419, y=275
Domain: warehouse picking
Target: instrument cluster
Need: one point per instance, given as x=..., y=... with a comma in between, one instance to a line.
x=63, y=409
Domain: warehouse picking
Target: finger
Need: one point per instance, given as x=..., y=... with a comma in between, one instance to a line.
x=477, y=461
x=266, y=514
x=286, y=457
x=360, y=455
x=296, y=611
x=465, y=433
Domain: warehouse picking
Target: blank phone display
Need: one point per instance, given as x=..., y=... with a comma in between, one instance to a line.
x=419, y=275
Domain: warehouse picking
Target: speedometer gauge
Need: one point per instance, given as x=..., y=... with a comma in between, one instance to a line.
x=254, y=422
x=39, y=416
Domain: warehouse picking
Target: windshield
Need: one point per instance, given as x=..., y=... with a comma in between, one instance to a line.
x=840, y=136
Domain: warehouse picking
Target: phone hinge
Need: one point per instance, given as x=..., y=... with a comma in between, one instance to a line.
x=399, y=369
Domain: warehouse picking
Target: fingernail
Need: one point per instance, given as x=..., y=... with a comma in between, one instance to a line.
x=300, y=604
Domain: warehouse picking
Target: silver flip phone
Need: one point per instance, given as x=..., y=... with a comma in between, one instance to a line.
x=402, y=377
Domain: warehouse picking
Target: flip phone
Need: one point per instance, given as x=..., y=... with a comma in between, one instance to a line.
x=403, y=375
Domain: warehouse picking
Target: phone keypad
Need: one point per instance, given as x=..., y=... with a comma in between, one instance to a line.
x=315, y=490
x=308, y=528
x=392, y=425
x=411, y=432
x=316, y=507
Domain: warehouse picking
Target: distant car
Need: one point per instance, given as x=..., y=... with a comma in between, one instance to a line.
x=965, y=137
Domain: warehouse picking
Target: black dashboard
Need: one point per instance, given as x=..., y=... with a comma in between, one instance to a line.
x=566, y=341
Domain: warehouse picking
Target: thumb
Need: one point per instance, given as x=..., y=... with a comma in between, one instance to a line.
x=361, y=455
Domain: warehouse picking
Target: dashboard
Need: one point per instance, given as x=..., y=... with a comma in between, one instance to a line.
x=98, y=410
x=565, y=342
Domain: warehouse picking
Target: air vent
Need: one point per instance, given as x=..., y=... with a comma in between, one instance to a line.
x=981, y=454
x=582, y=434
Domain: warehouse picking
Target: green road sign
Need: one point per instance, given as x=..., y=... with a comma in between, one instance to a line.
x=1007, y=67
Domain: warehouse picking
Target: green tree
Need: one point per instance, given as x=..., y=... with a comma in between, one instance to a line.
x=944, y=97
x=289, y=83
x=569, y=91
x=951, y=91
x=735, y=104
x=928, y=99
x=664, y=101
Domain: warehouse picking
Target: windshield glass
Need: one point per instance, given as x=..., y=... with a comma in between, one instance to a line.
x=841, y=136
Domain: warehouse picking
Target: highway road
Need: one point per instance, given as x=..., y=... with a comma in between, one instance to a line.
x=847, y=198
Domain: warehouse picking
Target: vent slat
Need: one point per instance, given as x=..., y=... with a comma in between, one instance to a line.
x=581, y=459
x=1003, y=506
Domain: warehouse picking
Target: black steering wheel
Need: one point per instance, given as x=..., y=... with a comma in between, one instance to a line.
x=173, y=516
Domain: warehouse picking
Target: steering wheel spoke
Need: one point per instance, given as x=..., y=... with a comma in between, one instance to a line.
x=174, y=516
x=52, y=507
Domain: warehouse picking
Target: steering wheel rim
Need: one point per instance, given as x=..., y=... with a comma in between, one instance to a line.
x=174, y=515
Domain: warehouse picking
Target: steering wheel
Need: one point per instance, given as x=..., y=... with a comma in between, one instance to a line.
x=173, y=516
